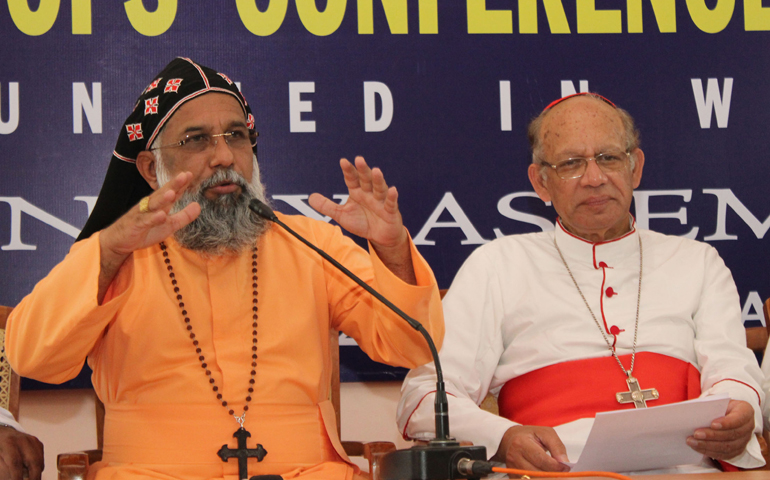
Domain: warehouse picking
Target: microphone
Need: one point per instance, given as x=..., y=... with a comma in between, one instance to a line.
x=442, y=457
x=258, y=207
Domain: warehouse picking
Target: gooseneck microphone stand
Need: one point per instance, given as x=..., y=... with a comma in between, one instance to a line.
x=443, y=457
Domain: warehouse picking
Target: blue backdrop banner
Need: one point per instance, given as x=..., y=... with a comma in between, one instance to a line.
x=436, y=93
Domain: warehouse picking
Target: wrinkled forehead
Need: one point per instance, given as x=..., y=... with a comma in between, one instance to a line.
x=581, y=122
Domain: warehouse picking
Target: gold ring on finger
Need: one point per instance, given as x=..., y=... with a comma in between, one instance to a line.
x=144, y=205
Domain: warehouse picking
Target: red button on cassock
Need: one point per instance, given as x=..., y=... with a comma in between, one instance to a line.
x=610, y=292
x=603, y=265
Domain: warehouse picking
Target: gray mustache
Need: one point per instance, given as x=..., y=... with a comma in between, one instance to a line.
x=224, y=175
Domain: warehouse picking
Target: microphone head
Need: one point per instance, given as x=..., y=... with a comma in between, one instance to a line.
x=258, y=207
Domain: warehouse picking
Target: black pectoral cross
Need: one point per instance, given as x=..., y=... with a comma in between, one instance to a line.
x=635, y=394
x=242, y=453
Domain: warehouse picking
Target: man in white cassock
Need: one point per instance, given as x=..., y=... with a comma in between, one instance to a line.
x=766, y=387
x=563, y=324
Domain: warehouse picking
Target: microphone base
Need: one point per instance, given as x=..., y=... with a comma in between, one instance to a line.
x=428, y=462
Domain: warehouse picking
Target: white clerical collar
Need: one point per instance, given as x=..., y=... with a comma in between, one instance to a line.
x=596, y=254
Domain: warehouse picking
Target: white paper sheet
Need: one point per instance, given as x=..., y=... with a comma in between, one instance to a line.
x=648, y=438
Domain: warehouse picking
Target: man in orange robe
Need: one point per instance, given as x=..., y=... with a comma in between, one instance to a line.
x=194, y=330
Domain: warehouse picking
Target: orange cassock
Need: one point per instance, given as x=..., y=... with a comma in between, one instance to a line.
x=162, y=417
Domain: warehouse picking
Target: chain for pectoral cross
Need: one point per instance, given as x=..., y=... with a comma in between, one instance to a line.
x=242, y=453
x=634, y=394
x=241, y=419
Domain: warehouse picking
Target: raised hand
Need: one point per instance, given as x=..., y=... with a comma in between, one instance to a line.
x=137, y=229
x=371, y=212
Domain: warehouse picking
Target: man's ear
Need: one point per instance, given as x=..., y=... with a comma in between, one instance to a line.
x=145, y=163
x=636, y=175
x=538, y=182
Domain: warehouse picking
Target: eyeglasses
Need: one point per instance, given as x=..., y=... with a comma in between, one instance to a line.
x=575, y=167
x=237, y=139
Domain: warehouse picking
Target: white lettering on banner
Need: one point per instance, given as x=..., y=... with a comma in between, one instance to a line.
x=461, y=221
x=568, y=88
x=82, y=103
x=297, y=106
x=505, y=209
x=298, y=203
x=448, y=203
x=753, y=301
x=712, y=100
x=506, y=123
x=89, y=201
x=726, y=197
x=643, y=215
x=18, y=206
x=371, y=122
x=13, y=109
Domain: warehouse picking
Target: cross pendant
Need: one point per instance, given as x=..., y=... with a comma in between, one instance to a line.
x=242, y=453
x=635, y=394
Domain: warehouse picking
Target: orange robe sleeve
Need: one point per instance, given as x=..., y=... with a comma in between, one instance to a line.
x=382, y=334
x=52, y=330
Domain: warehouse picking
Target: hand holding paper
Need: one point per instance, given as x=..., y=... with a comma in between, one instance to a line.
x=650, y=438
x=728, y=435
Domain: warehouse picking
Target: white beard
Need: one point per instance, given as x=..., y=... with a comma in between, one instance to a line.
x=225, y=225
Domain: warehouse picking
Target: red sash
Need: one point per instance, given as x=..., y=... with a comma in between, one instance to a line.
x=567, y=391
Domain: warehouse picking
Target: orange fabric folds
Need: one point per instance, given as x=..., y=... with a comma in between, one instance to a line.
x=568, y=391
x=294, y=436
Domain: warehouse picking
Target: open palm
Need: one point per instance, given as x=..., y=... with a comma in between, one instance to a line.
x=371, y=211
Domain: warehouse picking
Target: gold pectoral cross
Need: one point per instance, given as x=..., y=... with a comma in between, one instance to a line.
x=636, y=394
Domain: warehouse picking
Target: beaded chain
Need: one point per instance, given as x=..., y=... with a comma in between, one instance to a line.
x=199, y=351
